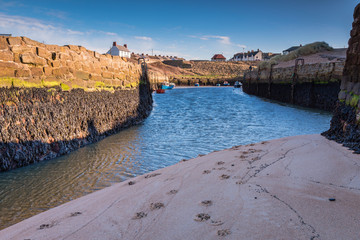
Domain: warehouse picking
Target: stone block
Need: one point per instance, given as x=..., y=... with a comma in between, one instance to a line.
x=6, y=55
x=55, y=64
x=42, y=52
x=15, y=41
x=78, y=65
x=17, y=58
x=73, y=48
x=7, y=69
x=107, y=75
x=36, y=71
x=82, y=75
x=53, y=48
x=47, y=71
x=64, y=56
x=22, y=73
x=82, y=49
x=23, y=49
x=95, y=77
x=97, y=55
x=60, y=72
x=31, y=42
x=30, y=58
x=3, y=43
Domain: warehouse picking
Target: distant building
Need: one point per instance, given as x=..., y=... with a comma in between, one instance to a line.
x=5, y=35
x=249, y=56
x=218, y=58
x=268, y=56
x=118, y=50
x=289, y=50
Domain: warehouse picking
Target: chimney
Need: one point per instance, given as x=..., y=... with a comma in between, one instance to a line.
x=114, y=44
x=258, y=50
x=300, y=45
x=125, y=45
x=252, y=51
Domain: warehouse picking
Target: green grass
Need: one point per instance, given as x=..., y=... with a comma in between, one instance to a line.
x=65, y=87
x=308, y=49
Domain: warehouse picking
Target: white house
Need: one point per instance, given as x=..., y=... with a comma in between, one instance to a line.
x=117, y=50
x=249, y=56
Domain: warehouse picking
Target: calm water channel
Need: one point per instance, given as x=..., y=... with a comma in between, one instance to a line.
x=185, y=122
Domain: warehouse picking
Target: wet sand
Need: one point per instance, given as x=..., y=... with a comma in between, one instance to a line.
x=302, y=187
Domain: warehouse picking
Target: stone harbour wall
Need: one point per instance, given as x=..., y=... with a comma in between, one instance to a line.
x=55, y=99
x=309, y=85
x=344, y=126
x=38, y=124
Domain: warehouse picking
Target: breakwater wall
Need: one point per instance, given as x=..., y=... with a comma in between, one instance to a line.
x=309, y=85
x=345, y=124
x=48, y=109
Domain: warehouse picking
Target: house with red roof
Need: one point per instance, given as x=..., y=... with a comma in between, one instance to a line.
x=218, y=58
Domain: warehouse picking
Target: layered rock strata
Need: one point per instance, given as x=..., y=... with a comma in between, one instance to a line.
x=345, y=122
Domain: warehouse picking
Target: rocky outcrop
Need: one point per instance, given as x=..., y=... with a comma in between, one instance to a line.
x=76, y=66
x=55, y=99
x=345, y=122
x=310, y=85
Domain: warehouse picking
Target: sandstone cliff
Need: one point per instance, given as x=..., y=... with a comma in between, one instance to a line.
x=345, y=122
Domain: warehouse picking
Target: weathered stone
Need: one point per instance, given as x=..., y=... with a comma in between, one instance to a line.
x=64, y=56
x=14, y=41
x=7, y=69
x=95, y=77
x=73, y=48
x=29, y=41
x=22, y=73
x=97, y=55
x=107, y=75
x=6, y=55
x=3, y=43
x=30, y=58
x=55, y=64
x=23, y=49
x=36, y=71
x=53, y=48
x=47, y=71
x=82, y=49
x=82, y=75
x=42, y=52
x=60, y=72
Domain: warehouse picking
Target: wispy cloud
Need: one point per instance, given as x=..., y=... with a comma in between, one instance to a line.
x=54, y=34
x=143, y=38
x=225, y=40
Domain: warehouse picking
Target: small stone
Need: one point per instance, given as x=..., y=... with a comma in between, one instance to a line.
x=223, y=232
x=131, y=183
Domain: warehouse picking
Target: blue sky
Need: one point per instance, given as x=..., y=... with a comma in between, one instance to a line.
x=190, y=29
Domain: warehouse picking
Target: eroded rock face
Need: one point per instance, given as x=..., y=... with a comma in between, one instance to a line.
x=345, y=122
x=29, y=60
x=39, y=123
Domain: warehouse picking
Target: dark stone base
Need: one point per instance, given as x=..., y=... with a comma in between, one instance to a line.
x=320, y=96
x=38, y=124
x=343, y=127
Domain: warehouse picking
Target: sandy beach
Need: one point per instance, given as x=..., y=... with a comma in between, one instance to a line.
x=302, y=187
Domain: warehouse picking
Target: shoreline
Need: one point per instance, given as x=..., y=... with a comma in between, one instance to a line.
x=274, y=189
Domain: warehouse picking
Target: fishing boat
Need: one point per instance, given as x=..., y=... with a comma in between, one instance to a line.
x=218, y=84
x=167, y=85
x=226, y=83
x=237, y=84
x=196, y=84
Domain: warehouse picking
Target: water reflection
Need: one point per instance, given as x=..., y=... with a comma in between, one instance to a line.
x=183, y=124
